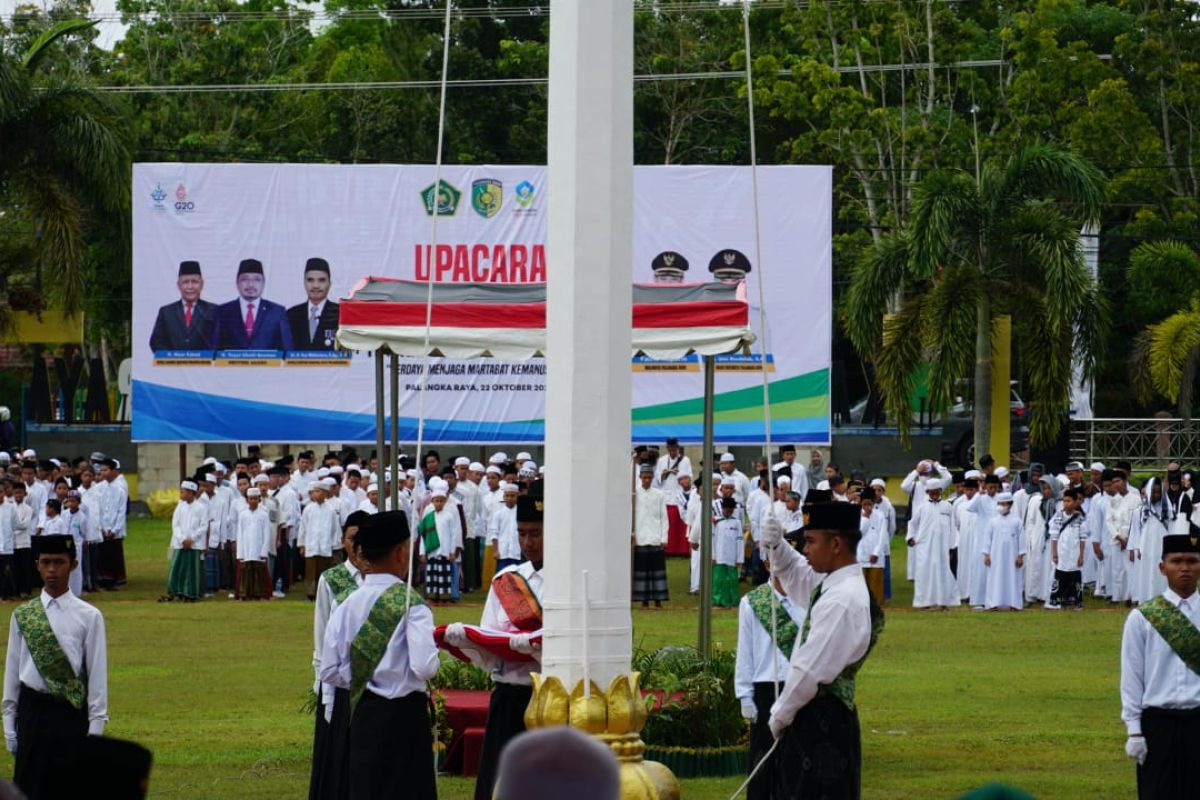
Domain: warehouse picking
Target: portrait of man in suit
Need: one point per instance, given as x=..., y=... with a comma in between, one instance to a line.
x=251, y=322
x=314, y=323
x=187, y=323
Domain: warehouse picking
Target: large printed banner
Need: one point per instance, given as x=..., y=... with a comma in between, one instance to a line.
x=238, y=269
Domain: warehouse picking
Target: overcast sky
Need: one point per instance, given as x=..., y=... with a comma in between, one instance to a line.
x=109, y=31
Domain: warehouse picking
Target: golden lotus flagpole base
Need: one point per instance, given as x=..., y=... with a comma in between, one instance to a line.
x=615, y=717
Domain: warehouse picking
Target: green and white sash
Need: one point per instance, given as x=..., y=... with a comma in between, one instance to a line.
x=786, y=629
x=340, y=582
x=48, y=656
x=371, y=641
x=1175, y=628
x=842, y=686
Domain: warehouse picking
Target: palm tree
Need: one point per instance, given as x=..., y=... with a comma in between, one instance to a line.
x=1162, y=277
x=64, y=163
x=1004, y=242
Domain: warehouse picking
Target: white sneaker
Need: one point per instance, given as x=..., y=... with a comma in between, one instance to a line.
x=232, y=596
x=278, y=594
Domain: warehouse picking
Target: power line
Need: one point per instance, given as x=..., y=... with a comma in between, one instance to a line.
x=468, y=83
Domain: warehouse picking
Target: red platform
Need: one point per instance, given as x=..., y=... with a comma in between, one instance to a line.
x=466, y=715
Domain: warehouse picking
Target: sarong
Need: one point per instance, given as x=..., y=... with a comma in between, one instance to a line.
x=820, y=753
x=48, y=730
x=874, y=576
x=253, y=580
x=330, y=779
x=313, y=567
x=505, y=720
x=761, y=741
x=437, y=579
x=470, y=560
x=1067, y=590
x=391, y=748
x=186, y=576
x=724, y=586
x=1170, y=735
x=677, y=543
x=649, y=574
x=212, y=570
x=112, y=562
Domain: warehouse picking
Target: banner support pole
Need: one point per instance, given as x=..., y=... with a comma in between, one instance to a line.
x=704, y=636
x=379, y=454
x=394, y=455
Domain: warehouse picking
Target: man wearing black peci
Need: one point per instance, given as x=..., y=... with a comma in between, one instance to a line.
x=314, y=323
x=187, y=323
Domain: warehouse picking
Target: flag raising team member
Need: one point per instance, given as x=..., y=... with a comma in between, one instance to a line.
x=379, y=646
x=820, y=749
x=507, y=642
x=1160, y=677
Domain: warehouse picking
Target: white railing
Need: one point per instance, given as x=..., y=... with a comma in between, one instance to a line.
x=1149, y=443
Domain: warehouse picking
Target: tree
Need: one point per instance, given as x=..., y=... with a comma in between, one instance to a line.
x=1163, y=276
x=975, y=248
x=64, y=165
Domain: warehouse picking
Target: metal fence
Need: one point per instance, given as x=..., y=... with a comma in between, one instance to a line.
x=1146, y=443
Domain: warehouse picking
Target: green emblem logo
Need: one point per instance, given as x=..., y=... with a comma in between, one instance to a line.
x=486, y=196
x=448, y=198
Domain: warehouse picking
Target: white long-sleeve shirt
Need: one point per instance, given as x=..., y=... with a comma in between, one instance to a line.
x=449, y=529
x=8, y=526
x=759, y=659
x=320, y=529
x=874, y=541
x=670, y=485
x=79, y=628
x=189, y=521
x=411, y=657
x=839, y=631
x=254, y=534
x=1152, y=675
x=727, y=546
x=650, y=518
x=113, y=506
x=502, y=532
x=323, y=609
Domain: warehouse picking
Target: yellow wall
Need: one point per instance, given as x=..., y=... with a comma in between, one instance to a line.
x=52, y=328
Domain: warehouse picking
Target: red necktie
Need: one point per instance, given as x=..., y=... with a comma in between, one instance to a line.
x=187, y=315
x=249, y=319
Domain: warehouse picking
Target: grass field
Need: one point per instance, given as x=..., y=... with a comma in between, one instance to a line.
x=947, y=701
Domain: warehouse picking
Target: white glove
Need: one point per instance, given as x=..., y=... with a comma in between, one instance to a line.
x=749, y=710
x=778, y=726
x=520, y=643
x=771, y=532
x=456, y=634
x=11, y=743
x=328, y=712
x=1135, y=748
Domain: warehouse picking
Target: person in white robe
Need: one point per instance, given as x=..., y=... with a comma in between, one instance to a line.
x=983, y=506
x=1123, y=506
x=915, y=485
x=1004, y=557
x=1097, y=542
x=1150, y=525
x=964, y=525
x=1039, y=571
x=929, y=535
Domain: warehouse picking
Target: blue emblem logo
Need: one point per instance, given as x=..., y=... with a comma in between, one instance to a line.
x=158, y=195
x=524, y=194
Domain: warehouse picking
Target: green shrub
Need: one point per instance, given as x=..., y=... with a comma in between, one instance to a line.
x=699, y=708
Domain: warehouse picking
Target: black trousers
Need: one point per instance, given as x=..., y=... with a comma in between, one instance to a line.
x=820, y=754
x=1169, y=772
x=24, y=570
x=330, y=780
x=8, y=578
x=506, y=719
x=48, y=731
x=954, y=561
x=391, y=749
x=761, y=740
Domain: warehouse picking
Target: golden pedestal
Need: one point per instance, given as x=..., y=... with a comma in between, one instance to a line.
x=616, y=718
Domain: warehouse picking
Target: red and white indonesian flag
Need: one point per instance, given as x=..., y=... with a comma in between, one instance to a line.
x=508, y=321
